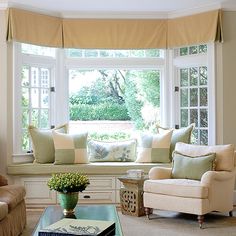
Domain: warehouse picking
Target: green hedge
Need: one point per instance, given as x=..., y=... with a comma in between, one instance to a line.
x=109, y=136
x=103, y=111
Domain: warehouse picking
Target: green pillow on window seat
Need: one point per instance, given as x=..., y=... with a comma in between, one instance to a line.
x=182, y=135
x=43, y=146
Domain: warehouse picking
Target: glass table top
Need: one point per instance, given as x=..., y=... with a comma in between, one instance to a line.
x=53, y=214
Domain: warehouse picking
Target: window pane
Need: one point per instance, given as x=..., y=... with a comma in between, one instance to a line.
x=183, y=77
x=203, y=48
x=44, y=119
x=193, y=97
x=183, y=51
x=25, y=97
x=184, y=117
x=153, y=53
x=38, y=50
x=34, y=77
x=44, y=98
x=194, y=116
x=183, y=97
x=25, y=141
x=86, y=53
x=203, y=137
x=25, y=76
x=35, y=117
x=25, y=118
x=114, y=97
x=203, y=75
x=193, y=50
x=45, y=78
x=35, y=98
x=203, y=97
x=193, y=76
x=203, y=118
x=91, y=53
x=194, y=137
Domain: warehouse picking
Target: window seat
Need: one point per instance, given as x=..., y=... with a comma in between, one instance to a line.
x=96, y=168
x=104, y=180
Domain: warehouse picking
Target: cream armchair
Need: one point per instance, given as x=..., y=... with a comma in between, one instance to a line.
x=214, y=192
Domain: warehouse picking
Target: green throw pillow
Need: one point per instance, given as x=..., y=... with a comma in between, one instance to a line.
x=186, y=167
x=70, y=148
x=112, y=151
x=43, y=146
x=182, y=135
x=154, y=147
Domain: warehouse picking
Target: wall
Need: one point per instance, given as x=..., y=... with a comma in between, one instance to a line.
x=3, y=94
x=229, y=77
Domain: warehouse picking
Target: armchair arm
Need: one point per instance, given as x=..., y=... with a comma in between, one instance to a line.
x=210, y=176
x=160, y=173
x=3, y=181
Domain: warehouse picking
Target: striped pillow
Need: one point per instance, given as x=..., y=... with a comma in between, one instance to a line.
x=70, y=148
x=154, y=147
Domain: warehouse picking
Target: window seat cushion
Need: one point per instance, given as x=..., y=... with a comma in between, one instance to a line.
x=96, y=168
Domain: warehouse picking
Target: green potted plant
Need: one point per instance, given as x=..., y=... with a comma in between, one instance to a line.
x=68, y=185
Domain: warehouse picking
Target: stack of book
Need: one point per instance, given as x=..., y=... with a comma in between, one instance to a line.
x=69, y=227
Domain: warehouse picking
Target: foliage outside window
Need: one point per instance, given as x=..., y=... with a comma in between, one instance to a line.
x=115, y=94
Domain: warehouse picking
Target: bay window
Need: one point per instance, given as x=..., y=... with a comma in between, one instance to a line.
x=52, y=86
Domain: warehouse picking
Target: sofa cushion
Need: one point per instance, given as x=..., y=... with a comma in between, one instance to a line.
x=188, y=167
x=43, y=146
x=101, y=151
x=177, y=187
x=70, y=148
x=12, y=195
x=154, y=147
x=3, y=210
x=224, y=153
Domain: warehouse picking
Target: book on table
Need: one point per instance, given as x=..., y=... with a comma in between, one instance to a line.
x=69, y=227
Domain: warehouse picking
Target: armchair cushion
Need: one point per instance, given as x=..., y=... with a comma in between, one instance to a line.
x=177, y=187
x=224, y=153
x=187, y=167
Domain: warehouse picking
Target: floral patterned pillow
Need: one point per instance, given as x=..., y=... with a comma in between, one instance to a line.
x=112, y=151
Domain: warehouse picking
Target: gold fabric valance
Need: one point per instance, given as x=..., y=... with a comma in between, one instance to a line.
x=34, y=28
x=196, y=29
x=114, y=34
x=29, y=27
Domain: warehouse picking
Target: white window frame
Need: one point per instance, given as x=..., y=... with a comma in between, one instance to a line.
x=117, y=63
x=197, y=60
x=21, y=59
x=168, y=67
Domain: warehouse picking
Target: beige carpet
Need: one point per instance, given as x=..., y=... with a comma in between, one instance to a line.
x=163, y=224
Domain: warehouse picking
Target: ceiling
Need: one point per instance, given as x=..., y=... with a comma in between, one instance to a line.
x=72, y=7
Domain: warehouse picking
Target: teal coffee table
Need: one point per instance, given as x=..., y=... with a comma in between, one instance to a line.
x=53, y=214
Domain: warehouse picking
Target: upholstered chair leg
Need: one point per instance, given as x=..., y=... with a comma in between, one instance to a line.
x=148, y=212
x=231, y=213
x=200, y=220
